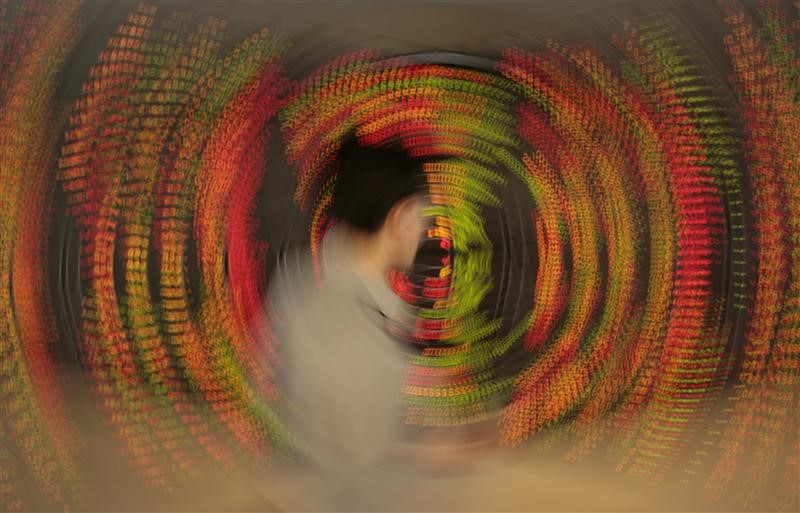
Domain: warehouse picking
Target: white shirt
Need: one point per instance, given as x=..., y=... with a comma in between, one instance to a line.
x=341, y=372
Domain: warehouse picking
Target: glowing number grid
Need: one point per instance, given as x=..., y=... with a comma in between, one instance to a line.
x=765, y=411
x=604, y=178
x=652, y=242
x=34, y=40
x=165, y=147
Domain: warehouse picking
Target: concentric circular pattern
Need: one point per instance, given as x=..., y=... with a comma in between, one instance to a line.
x=165, y=150
x=613, y=265
x=464, y=118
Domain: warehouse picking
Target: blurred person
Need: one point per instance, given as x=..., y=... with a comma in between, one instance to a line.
x=342, y=373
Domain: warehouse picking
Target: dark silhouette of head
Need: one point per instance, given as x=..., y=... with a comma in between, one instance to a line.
x=379, y=193
x=370, y=181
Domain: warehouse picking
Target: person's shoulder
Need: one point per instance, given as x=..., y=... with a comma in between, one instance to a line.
x=305, y=302
x=290, y=280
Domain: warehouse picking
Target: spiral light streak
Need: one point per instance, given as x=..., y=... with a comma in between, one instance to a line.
x=612, y=268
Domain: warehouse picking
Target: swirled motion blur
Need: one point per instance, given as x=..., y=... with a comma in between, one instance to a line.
x=611, y=275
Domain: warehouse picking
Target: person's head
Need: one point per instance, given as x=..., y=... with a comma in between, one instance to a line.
x=379, y=192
